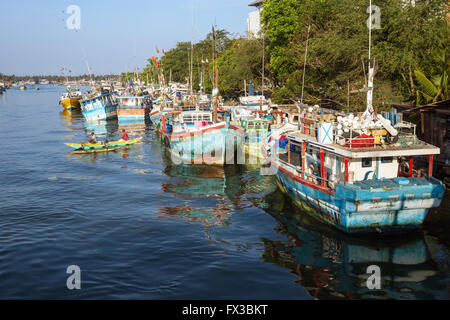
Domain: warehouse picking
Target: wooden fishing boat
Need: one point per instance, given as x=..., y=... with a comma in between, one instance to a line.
x=99, y=105
x=103, y=145
x=133, y=108
x=195, y=138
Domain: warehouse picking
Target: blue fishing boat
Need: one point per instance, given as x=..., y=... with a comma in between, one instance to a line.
x=99, y=105
x=195, y=137
x=354, y=181
x=354, y=171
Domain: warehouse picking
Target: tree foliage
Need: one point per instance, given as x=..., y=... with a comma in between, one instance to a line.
x=338, y=45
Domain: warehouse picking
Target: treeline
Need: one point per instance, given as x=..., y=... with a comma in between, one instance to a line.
x=410, y=49
x=59, y=78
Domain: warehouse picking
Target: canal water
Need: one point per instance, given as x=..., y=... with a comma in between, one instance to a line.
x=140, y=227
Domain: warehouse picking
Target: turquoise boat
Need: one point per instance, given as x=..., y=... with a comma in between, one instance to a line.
x=194, y=138
x=99, y=105
x=354, y=182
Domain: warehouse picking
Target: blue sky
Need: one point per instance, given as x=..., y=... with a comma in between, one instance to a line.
x=35, y=38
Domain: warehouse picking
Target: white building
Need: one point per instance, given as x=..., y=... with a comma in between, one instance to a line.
x=254, y=20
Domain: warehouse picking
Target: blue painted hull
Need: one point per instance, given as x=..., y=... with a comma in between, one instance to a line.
x=215, y=145
x=362, y=209
x=101, y=113
x=155, y=118
x=131, y=118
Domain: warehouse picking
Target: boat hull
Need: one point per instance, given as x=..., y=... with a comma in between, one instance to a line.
x=70, y=103
x=131, y=114
x=215, y=144
x=101, y=113
x=97, y=146
x=155, y=117
x=353, y=209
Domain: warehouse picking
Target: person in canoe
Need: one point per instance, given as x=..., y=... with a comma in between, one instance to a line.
x=93, y=138
x=124, y=135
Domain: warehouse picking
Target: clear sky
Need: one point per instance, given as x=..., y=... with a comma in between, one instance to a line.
x=34, y=37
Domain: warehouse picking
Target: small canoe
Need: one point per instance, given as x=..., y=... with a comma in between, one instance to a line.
x=103, y=145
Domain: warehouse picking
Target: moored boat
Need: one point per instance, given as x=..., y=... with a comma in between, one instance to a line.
x=71, y=99
x=195, y=137
x=99, y=105
x=348, y=175
x=133, y=108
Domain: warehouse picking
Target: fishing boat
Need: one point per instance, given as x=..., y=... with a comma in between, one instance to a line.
x=133, y=108
x=345, y=168
x=71, y=99
x=99, y=105
x=196, y=137
x=256, y=126
x=103, y=145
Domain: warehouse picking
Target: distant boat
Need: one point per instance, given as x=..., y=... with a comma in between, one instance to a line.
x=22, y=88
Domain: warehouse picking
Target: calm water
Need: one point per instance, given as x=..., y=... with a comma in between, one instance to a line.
x=140, y=227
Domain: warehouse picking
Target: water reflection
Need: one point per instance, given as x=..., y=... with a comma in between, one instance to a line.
x=71, y=118
x=102, y=129
x=331, y=265
x=211, y=193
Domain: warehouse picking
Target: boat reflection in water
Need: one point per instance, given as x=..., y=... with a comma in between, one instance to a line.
x=332, y=265
x=71, y=117
x=211, y=192
x=103, y=129
x=133, y=128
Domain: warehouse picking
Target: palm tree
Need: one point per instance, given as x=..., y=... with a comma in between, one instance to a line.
x=435, y=88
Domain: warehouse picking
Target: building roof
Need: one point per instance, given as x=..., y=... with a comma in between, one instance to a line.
x=256, y=3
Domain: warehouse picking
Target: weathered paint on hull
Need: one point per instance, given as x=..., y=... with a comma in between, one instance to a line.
x=349, y=210
x=70, y=103
x=101, y=113
x=155, y=117
x=208, y=146
x=124, y=115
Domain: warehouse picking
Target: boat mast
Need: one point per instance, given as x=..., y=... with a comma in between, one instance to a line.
x=304, y=64
x=215, y=90
x=371, y=69
x=192, y=56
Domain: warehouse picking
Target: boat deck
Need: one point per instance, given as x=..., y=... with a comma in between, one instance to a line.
x=401, y=148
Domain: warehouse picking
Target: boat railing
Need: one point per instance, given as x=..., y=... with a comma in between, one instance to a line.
x=285, y=159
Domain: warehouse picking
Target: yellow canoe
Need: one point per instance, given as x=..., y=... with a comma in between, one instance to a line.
x=103, y=145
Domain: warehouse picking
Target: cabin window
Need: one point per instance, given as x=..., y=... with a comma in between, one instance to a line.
x=386, y=159
x=366, y=162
